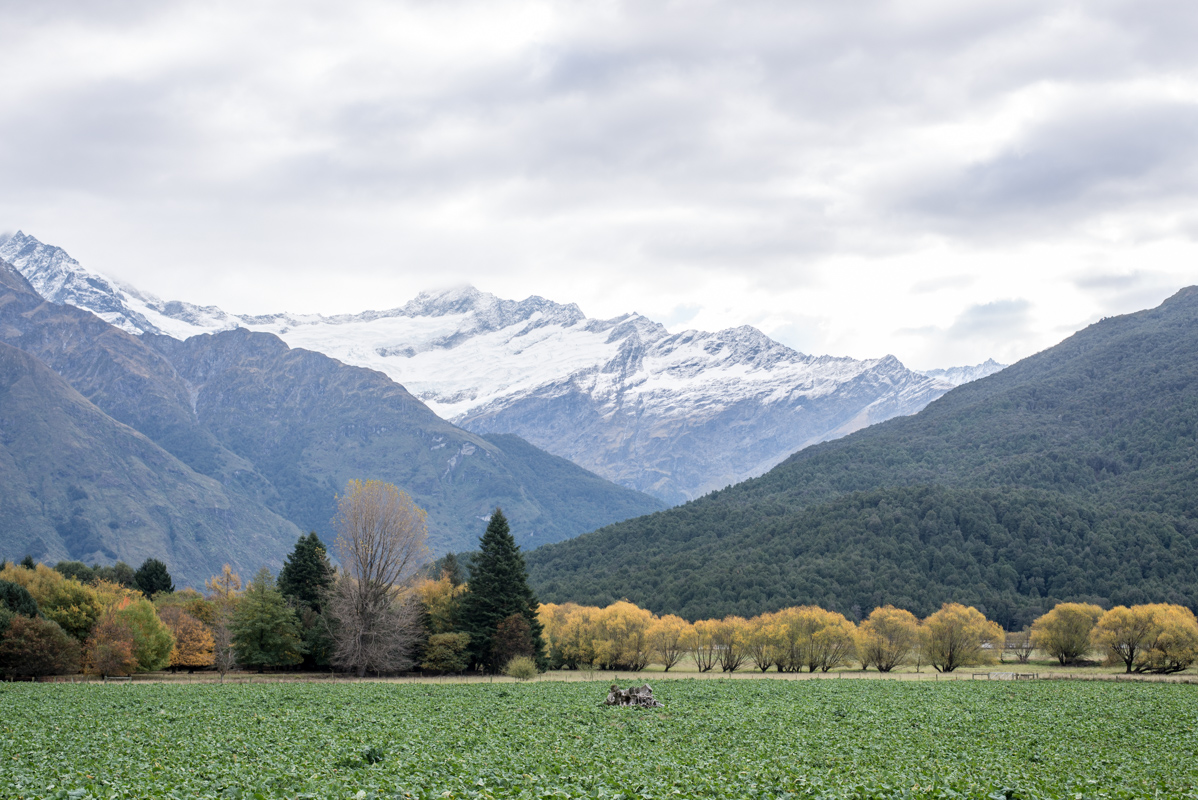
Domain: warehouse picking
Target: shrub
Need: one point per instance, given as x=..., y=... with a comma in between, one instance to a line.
x=522, y=668
x=447, y=652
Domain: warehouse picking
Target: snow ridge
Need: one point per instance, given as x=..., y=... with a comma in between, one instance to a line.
x=673, y=414
x=959, y=375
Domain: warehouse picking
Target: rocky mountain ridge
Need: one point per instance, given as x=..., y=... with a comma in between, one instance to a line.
x=672, y=414
x=217, y=448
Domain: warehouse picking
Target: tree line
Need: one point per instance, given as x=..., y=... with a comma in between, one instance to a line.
x=1158, y=638
x=364, y=616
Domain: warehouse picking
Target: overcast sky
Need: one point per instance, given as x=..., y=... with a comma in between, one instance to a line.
x=945, y=181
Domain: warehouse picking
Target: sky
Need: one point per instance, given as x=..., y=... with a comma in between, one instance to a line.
x=945, y=181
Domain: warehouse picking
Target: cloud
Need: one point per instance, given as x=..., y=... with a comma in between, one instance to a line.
x=1001, y=318
x=1077, y=165
x=752, y=154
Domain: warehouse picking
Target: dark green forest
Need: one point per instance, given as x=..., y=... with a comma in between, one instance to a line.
x=1071, y=475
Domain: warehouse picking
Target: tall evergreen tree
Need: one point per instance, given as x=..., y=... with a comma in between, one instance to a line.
x=265, y=631
x=152, y=578
x=498, y=589
x=307, y=573
x=453, y=569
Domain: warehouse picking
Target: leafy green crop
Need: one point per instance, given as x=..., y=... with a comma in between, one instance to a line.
x=714, y=739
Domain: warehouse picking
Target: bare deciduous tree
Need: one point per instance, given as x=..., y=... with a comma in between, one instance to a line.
x=380, y=544
x=224, y=656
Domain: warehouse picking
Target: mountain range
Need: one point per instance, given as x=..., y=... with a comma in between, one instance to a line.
x=674, y=415
x=1070, y=475
x=222, y=448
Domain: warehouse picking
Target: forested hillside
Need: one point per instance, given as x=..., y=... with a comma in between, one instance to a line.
x=256, y=437
x=1070, y=475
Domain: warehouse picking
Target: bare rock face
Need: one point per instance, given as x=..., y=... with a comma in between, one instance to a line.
x=632, y=696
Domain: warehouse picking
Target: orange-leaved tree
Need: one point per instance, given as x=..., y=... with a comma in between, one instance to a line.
x=194, y=644
x=110, y=648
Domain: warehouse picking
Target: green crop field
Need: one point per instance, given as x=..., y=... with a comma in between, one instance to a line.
x=714, y=739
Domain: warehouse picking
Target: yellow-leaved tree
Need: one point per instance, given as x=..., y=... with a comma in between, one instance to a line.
x=1150, y=638
x=764, y=641
x=701, y=644
x=66, y=601
x=442, y=600
x=1066, y=632
x=886, y=638
x=959, y=636
x=834, y=644
x=620, y=636
x=667, y=637
x=731, y=637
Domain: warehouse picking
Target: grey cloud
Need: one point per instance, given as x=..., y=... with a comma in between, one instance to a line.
x=1001, y=318
x=1103, y=281
x=1077, y=166
x=651, y=135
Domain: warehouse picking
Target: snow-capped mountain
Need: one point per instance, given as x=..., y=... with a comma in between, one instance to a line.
x=672, y=414
x=959, y=375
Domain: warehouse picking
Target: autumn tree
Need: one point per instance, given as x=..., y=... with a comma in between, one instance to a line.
x=72, y=605
x=192, y=602
x=886, y=638
x=1125, y=633
x=833, y=644
x=1149, y=638
x=667, y=637
x=153, y=578
x=566, y=632
x=730, y=635
x=957, y=636
x=795, y=629
x=224, y=587
x=701, y=644
x=619, y=636
x=498, y=589
x=194, y=644
x=265, y=630
x=442, y=602
x=33, y=647
x=381, y=544
x=1174, y=644
x=109, y=649
x=1066, y=632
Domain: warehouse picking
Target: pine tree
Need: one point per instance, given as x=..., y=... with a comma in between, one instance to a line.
x=451, y=568
x=265, y=631
x=498, y=589
x=152, y=577
x=307, y=574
